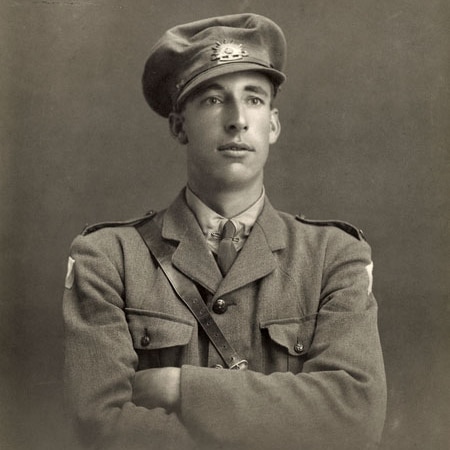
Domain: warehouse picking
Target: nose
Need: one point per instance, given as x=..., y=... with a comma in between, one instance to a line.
x=236, y=118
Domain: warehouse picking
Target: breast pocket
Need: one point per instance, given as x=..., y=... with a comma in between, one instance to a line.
x=286, y=343
x=160, y=340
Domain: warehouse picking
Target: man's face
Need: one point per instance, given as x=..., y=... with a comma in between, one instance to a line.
x=228, y=125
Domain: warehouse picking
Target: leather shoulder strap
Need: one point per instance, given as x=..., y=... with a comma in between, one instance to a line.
x=188, y=292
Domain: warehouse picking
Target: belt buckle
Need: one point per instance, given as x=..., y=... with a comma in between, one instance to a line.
x=240, y=365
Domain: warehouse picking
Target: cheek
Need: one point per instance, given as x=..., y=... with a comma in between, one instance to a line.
x=200, y=130
x=265, y=131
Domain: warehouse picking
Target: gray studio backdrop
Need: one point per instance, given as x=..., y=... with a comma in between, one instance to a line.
x=364, y=117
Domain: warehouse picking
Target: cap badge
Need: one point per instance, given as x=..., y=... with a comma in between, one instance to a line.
x=227, y=51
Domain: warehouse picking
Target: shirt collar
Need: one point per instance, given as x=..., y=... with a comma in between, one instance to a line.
x=212, y=222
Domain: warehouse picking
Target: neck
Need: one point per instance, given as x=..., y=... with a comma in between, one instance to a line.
x=228, y=203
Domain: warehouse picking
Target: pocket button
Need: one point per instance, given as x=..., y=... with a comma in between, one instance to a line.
x=145, y=340
x=298, y=348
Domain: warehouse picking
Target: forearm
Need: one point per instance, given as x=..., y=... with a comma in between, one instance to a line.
x=282, y=410
x=337, y=402
x=137, y=428
x=98, y=384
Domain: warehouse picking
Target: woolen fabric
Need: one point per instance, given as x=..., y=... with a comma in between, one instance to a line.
x=299, y=310
x=190, y=54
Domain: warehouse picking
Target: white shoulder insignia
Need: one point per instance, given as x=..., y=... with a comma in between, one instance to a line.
x=70, y=277
x=369, y=269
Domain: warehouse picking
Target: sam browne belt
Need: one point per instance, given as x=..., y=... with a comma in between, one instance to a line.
x=187, y=291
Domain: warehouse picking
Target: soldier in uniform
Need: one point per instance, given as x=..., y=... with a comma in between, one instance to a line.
x=220, y=322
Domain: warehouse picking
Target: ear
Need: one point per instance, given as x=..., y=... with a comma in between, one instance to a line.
x=275, y=126
x=176, y=121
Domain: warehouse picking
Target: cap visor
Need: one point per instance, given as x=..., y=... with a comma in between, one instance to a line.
x=276, y=76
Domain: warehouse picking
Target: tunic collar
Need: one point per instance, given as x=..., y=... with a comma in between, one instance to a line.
x=211, y=223
x=194, y=259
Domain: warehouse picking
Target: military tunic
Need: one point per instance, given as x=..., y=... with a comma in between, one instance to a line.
x=297, y=304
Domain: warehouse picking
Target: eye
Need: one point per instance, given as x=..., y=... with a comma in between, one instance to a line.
x=212, y=100
x=255, y=101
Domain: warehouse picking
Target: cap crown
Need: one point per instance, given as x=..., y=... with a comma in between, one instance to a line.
x=190, y=54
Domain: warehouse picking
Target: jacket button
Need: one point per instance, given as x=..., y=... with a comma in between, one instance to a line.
x=145, y=340
x=298, y=348
x=220, y=306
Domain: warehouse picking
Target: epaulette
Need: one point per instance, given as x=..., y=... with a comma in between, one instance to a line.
x=347, y=227
x=130, y=223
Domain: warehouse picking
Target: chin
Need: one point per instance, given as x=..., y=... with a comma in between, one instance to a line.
x=235, y=180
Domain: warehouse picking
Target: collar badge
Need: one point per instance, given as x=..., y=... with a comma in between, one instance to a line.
x=227, y=51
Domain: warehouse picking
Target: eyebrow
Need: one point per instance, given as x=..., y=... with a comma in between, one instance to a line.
x=248, y=88
x=257, y=90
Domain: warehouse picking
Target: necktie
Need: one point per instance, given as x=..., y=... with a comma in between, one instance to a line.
x=227, y=251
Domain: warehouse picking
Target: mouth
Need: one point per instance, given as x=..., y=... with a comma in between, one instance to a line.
x=235, y=147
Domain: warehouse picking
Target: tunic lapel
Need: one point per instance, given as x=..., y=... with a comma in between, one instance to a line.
x=192, y=256
x=257, y=258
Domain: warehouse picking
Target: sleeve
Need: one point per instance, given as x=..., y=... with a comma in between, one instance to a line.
x=337, y=402
x=100, y=360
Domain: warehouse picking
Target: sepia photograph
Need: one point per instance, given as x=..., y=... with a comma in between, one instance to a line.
x=224, y=225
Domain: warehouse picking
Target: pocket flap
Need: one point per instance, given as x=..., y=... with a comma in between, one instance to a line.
x=151, y=330
x=296, y=335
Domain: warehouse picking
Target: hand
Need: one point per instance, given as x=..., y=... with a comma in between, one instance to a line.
x=154, y=388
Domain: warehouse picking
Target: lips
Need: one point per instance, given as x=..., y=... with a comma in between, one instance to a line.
x=235, y=146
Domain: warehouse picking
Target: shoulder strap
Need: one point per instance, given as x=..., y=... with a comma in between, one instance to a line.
x=132, y=222
x=345, y=226
x=187, y=291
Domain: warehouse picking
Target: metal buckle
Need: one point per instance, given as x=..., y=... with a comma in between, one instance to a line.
x=241, y=365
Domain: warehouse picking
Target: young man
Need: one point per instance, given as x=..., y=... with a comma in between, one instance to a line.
x=146, y=366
